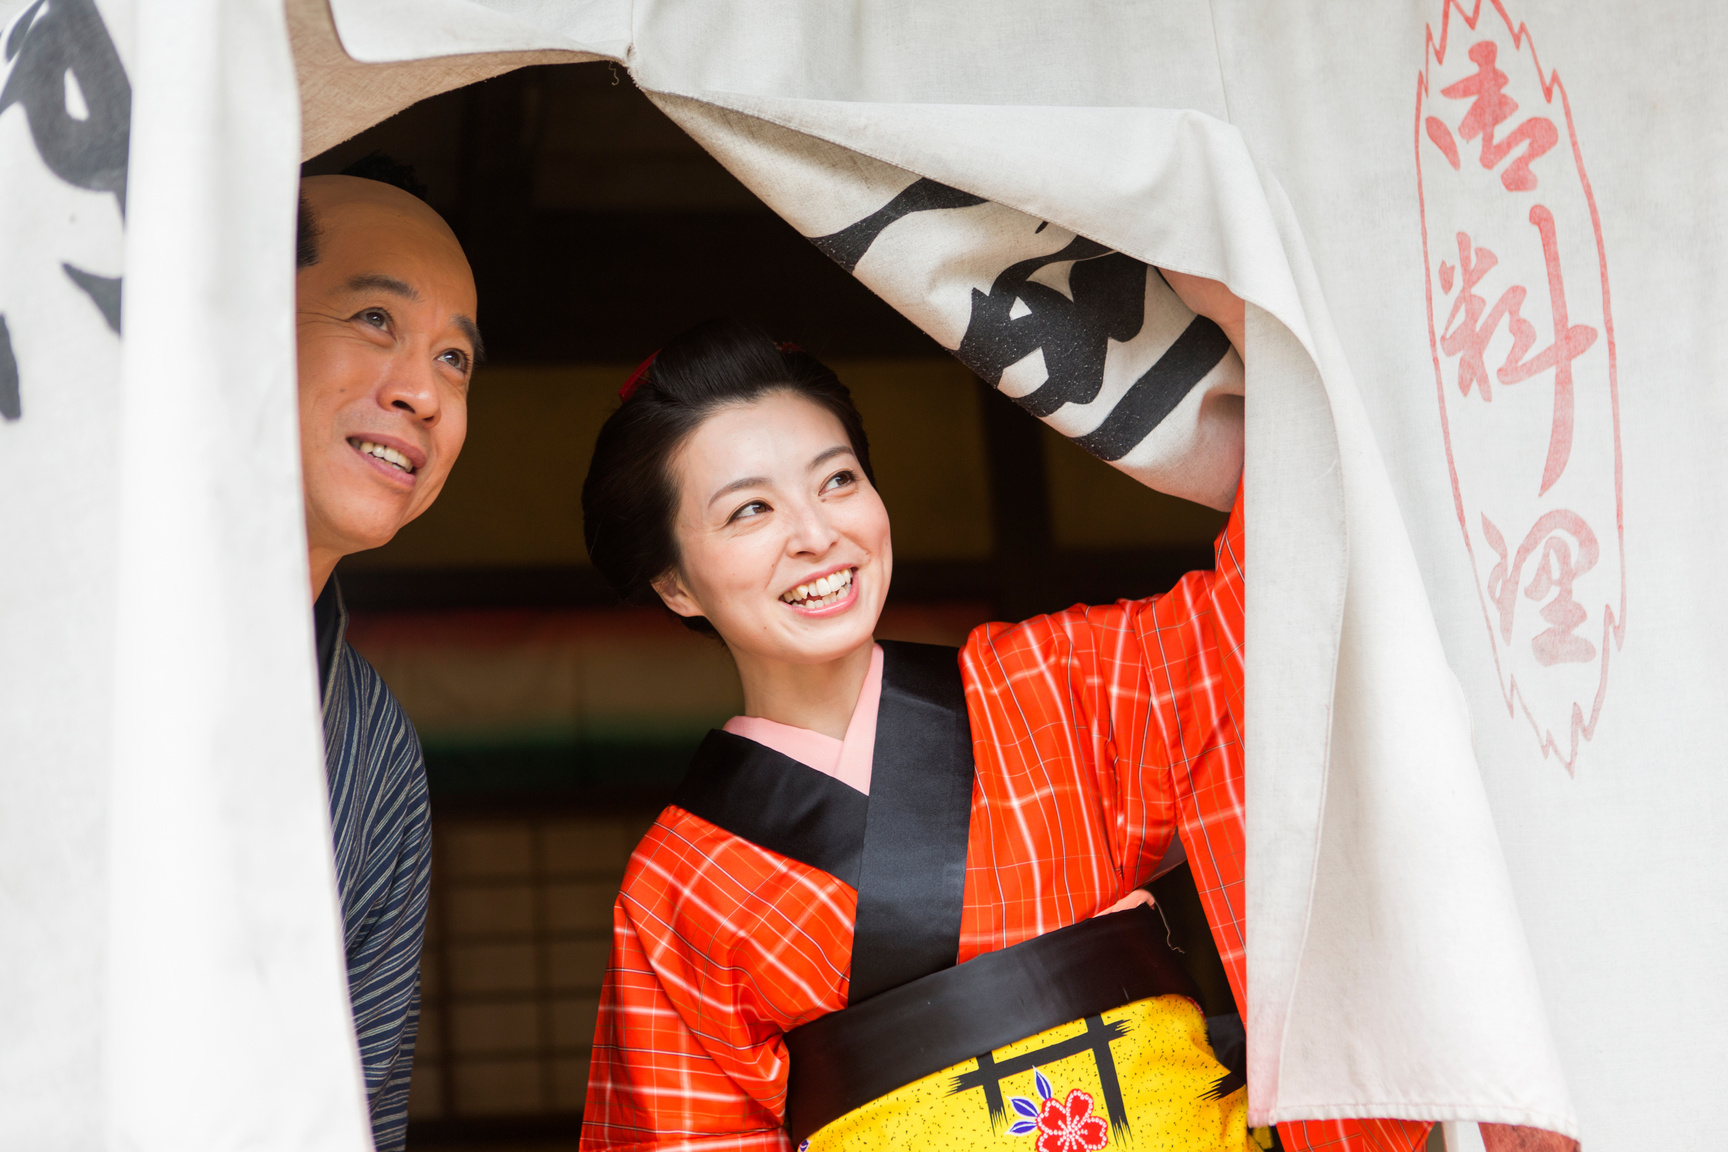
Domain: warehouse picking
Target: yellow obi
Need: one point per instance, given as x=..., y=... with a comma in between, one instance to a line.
x=1138, y=1076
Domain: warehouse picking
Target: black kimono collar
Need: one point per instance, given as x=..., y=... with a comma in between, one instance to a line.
x=329, y=626
x=902, y=847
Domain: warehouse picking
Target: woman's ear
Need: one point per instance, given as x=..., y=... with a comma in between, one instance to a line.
x=675, y=596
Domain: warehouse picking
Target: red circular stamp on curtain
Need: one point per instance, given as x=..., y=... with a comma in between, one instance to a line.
x=1523, y=344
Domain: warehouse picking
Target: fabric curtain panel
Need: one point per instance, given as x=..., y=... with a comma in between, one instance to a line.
x=1480, y=807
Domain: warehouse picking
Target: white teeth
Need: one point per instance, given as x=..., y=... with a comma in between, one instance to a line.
x=385, y=453
x=821, y=592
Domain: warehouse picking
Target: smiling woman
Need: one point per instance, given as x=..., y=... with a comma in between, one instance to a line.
x=789, y=562
x=735, y=477
x=906, y=873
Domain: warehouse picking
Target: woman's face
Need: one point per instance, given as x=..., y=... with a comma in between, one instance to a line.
x=783, y=543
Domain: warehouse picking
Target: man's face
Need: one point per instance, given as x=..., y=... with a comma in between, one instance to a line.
x=386, y=346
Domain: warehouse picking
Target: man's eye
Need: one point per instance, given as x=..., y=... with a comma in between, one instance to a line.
x=839, y=480
x=753, y=508
x=456, y=358
x=376, y=317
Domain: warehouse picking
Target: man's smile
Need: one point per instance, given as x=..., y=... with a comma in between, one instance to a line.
x=401, y=458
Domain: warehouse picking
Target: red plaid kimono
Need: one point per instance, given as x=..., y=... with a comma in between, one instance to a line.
x=1098, y=733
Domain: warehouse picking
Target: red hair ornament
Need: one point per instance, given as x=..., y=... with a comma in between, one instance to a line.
x=637, y=376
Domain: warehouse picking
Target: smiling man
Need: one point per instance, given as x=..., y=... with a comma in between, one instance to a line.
x=387, y=344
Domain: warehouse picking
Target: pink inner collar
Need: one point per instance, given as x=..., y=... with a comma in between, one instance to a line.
x=849, y=760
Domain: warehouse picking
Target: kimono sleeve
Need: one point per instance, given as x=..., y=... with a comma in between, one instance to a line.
x=719, y=947
x=1075, y=801
x=1193, y=638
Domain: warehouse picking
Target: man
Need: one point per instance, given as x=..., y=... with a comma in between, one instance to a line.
x=387, y=345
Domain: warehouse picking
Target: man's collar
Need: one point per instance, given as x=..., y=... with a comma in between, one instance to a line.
x=330, y=624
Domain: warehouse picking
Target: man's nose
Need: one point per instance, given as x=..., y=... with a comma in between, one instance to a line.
x=412, y=386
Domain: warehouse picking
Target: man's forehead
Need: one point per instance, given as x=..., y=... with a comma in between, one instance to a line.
x=327, y=192
x=376, y=238
x=377, y=217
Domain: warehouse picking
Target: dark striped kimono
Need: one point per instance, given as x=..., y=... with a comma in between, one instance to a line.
x=383, y=840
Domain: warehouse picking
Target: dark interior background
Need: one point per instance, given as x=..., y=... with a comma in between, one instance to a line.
x=554, y=722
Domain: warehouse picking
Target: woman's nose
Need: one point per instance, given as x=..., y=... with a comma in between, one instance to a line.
x=813, y=532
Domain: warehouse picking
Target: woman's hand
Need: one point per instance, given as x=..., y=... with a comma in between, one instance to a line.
x=1514, y=1138
x=1133, y=900
x=1212, y=300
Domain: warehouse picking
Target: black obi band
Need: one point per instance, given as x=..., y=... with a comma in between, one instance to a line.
x=848, y=1058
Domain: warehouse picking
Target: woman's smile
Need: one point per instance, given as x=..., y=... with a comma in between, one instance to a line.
x=827, y=595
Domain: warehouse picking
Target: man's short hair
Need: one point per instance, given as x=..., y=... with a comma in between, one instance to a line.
x=375, y=165
x=306, y=233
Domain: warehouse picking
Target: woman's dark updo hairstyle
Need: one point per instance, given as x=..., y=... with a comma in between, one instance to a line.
x=629, y=498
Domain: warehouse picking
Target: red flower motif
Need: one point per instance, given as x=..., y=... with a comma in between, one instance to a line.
x=1069, y=1126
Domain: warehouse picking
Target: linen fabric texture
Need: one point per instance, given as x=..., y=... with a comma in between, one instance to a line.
x=171, y=941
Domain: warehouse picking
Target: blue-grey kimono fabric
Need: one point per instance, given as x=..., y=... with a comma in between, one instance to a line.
x=383, y=840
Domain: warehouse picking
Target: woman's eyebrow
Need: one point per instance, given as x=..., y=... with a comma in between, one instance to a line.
x=823, y=457
x=754, y=481
x=747, y=482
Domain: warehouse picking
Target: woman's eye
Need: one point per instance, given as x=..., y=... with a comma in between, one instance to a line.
x=839, y=480
x=753, y=508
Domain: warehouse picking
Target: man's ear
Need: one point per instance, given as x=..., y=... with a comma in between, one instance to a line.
x=676, y=596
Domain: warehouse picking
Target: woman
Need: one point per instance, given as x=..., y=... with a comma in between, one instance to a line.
x=884, y=811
